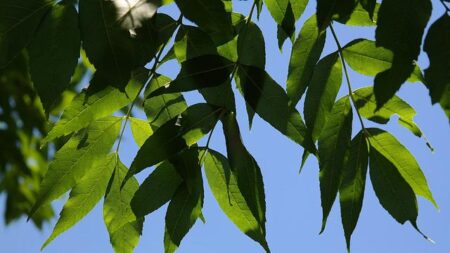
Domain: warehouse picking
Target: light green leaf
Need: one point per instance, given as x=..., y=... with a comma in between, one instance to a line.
x=123, y=226
x=333, y=144
x=19, y=20
x=298, y=7
x=84, y=150
x=306, y=52
x=322, y=92
x=366, y=58
x=140, y=129
x=157, y=189
x=247, y=172
x=394, y=152
x=351, y=191
x=277, y=9
x=51, y=72
x=162, y=108
x=361, y=17
x=175, y=136
x=85, y=195
x=88, y=106
x=223, y=184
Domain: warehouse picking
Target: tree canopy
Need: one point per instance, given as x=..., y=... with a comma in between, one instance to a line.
x=58, y=136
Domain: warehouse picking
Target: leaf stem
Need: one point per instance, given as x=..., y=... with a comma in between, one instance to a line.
x=349, y=86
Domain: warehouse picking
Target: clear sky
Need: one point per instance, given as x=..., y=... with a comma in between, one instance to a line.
x=293, y=201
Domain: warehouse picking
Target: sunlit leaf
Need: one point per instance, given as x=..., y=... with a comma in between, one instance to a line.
x=277, y=9
x=140, y=129
x=361, y=16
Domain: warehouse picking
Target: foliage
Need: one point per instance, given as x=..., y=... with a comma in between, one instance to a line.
x=41, y=70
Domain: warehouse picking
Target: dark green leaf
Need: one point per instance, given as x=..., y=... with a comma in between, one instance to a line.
x=123, y=226
x=400, y=27
x=51, y=71
x=306, y=52
x=175, y=136
x=329, y=9
x=156, y=190
x=19, y=20
x=247, y=172
x=251, y=46
x=351, y=191
x=437, y=46
x=277, y=9
x=401, y=159
x=192, y=42
x=370, y=6
x=223, y=184
x=333, y=144
x=322, y=92
x=85, y=195
x=286, y=29
x=83, y=151
x=198, y=73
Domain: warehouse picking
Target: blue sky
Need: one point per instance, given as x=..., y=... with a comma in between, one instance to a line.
x=293, y=201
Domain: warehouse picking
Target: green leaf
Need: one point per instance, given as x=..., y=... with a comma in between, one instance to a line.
x=298, y=7
x=140, y=130
x=333, y=144
x=306, y=52
x=271, y=103
x=361, y=16
x=351, y=191
x=322, y=92
x=51, y=72
x=401, y=159
x=366, y=104
x=400, y=28
x=437, y=46
x=88, y=106
x=247, y=172
x=162, y=108
x=393, y=192
x=19, y=20
x=123, y=226
x=223, y=184
x=277, y=9
x=191, y=42
x=211, y=15
x=364, y=57
x=197, y=73
x=83, y=151
x=221, y=96
x=286, y=29
x=251, y=46
x=329, y=9
x=175, y=136
x=157, y=189
x=85, y=195
x=186, y=205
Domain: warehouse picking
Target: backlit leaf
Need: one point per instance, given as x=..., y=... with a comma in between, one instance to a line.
x=140, y=129
x=277, y=9
x=329, y=9
x=362, y=17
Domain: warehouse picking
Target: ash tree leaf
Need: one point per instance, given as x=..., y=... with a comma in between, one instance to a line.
x=351, y=190
x=322, y=92
x=210, y=15
x=393, y=192
x=437, y=46
x=333, y=144
x=306, y=52
x=85, y=195
x=175, y=135
x=364, y=57
x=400, y=28
x=140, y=129
x=51, y=71
x=162, y=108
x=84, y=150
x=186, y=204
x=270, y=102
x=286, y=30
x=88, y=106
x=224, y=186
x=191, y=42
x=277, y=9
x=157, y=189
x=329, y=9
x=247, y=172
x=366, y=104
x=19, y=20
x=198, y=73
x=298, y=7
x=361, y=16
x=123, y=226
x=401, y=159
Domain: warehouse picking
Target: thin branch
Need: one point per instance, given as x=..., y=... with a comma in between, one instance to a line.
x=350, y=91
